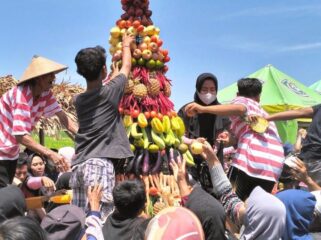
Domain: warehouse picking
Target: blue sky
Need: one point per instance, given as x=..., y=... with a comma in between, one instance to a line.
x=231, y=39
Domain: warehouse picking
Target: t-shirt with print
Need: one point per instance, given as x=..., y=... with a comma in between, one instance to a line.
x=101, y=132
x=259, y=155
x=19, y=113
x=311, y=145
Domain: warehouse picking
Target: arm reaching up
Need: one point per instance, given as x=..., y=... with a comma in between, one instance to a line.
x=127, y=57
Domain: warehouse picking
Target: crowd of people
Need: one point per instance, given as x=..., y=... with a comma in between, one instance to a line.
x=246, y=184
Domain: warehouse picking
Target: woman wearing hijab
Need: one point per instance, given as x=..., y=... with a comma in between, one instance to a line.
x=205, y=125
x=300, y=207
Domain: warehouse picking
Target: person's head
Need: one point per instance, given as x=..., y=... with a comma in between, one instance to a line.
x=22, y=169
x=174, y=223
x=206, y=89
x=265, y=216
x=21, y=228
x=40, y=74
x=68, y=153
x=36, y=165
x=91, y=63
x=64, y=222
x=129, y=198
x=300, y=206
x=250, y=88
x=12, y=203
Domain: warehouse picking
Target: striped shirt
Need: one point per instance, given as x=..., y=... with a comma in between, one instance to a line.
x=258, y=155
x=19, y=115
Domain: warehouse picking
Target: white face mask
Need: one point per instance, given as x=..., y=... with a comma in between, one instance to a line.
x=207, y=98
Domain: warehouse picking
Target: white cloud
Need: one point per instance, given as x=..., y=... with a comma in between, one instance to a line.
x=300, y=47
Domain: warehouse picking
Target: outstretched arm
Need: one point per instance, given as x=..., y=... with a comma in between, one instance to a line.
x=127, y=57
x=221, y=110
x=292, y=114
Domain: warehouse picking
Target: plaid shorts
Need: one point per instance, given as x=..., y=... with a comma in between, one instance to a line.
x=92, y=172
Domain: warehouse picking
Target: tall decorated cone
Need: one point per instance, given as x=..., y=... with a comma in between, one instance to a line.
x=153, y=127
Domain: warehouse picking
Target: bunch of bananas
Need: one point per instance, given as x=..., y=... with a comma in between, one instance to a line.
x=157, y=134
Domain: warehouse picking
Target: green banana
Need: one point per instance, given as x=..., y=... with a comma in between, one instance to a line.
x=134, y=132
x=145, y=137
x=158, y=140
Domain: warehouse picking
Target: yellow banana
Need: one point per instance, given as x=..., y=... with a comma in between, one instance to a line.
x=190, y=158
x=157, y=125
x=181, y=131
x=158, y=140
x=127, y=120
x=142, y=121
x=175, y=124
x=189, y=162
x=166, y=124
x=134, y=133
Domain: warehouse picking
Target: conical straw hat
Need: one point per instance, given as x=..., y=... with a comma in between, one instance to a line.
x=40, y=66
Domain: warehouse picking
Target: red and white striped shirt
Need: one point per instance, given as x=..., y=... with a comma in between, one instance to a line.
x=258, y=155
x=19, y=115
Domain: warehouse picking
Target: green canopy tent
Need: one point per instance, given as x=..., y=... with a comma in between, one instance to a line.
x=316, y=87
x=280, y=93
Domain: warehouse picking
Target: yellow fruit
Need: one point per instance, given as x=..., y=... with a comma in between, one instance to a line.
x=183, y=148
x=134, y=133
x=115, y=32
x=127, y=120
x=132, y=147
x=181, y=130
x=166, y=124
x=153, y=148
x=142, y=121
x=197, y=148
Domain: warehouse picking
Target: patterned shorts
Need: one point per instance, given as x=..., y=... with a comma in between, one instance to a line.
x=92, y=172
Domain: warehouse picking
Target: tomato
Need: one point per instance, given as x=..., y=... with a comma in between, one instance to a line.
x=147, y=114
x=153, y=114
x=167, y=59
x=165, y=52
x=126, y=112
x=174, y=114
x=128, y=24
x=121, y=24
x=165, y=69
x=121, y=110
x=136, y=24
x=140, y=28
x=159, y=42
x=169, y=114
x=154, y=38
x=134, y=113
x=160, y=116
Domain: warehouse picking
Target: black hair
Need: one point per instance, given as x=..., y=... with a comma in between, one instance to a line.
x=249, y=87
x=22, y=159
x=21, y=228
x=90, y=61
x=129, y=198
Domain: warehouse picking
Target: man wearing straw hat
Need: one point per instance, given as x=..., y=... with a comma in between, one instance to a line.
x=21, y=107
